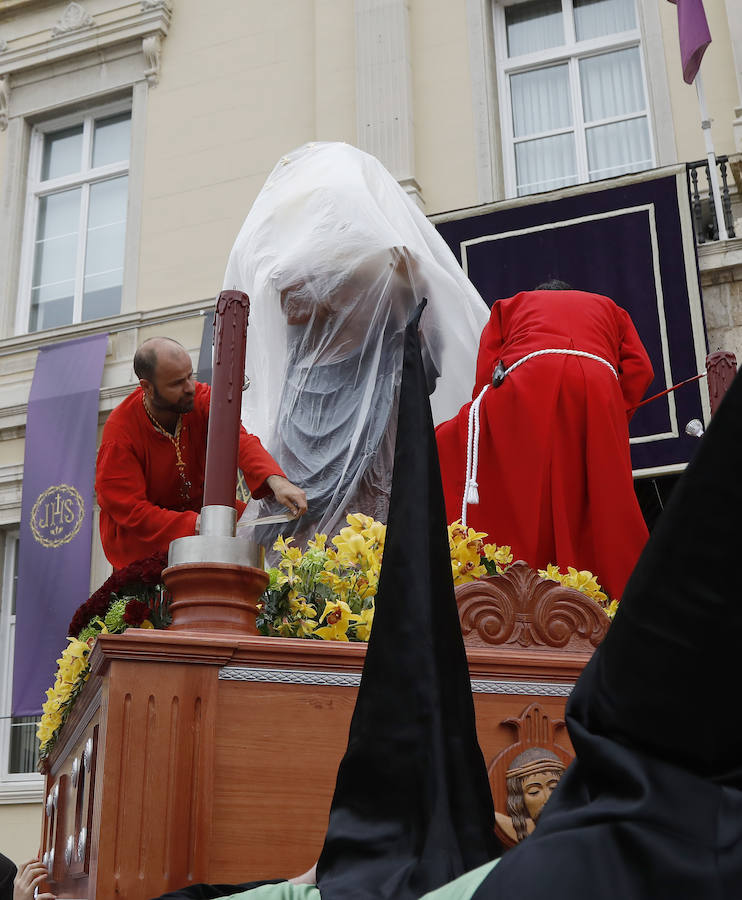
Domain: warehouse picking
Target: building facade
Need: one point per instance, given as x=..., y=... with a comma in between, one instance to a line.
x=134, y=137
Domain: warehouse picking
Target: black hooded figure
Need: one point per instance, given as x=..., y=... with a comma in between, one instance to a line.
x=412, y=808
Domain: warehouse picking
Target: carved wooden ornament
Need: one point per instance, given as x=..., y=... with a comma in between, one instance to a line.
x=533, y=763
x=520, y=608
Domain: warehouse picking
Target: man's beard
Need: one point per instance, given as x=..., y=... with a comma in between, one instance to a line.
x=184, y=405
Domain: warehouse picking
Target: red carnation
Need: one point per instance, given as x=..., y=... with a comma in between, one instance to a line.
x=135, y=613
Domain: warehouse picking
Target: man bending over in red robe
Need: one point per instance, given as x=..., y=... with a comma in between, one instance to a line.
x=551, y=464
x=152, y=459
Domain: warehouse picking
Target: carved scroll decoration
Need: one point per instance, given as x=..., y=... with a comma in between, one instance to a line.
x=152, y=49
x=520, y=608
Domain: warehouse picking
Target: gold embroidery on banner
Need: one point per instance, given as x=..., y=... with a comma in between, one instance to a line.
x=57, y=515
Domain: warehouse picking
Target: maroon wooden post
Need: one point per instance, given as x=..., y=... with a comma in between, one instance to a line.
x=721, y=367
x=214, y=588
x=230, y=329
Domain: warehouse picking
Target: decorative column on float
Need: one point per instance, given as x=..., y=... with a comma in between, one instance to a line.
x=214, y=587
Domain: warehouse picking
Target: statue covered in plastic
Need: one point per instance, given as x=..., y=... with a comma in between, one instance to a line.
x=335, y=257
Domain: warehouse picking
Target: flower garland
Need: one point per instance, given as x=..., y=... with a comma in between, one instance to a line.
x=133, y=597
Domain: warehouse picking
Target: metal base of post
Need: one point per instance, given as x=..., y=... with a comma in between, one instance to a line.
x=214, y=578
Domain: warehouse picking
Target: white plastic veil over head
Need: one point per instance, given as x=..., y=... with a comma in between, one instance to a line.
x=335, y=257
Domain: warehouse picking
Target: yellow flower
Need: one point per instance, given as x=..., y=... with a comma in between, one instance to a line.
x=299, y=606
x=376, y=533
x=305, y=627
x=281, y=544
x=286, y=628
x=350, y=544
x=337, y=615
x=503, y=555
x=358, y=522
x=611, y=609
x=364, y=622
x=147, y=624
x=551, y=572
x=319, y=542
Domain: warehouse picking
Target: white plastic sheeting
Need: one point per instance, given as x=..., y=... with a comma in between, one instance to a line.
x=335, y=258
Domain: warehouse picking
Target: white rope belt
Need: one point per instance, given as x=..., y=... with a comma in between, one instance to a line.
x=471, y=488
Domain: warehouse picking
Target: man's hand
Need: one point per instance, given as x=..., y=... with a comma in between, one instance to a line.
x=292, y=497
x=28, y=878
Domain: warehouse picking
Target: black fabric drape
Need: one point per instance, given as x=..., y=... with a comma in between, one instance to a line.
x=652, y=807
x=412, y=806
x=7, y=874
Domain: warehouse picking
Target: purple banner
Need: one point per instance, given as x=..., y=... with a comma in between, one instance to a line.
x=694, y=34
x=56, y=511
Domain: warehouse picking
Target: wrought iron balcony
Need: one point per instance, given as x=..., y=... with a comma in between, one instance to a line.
x=704, y=215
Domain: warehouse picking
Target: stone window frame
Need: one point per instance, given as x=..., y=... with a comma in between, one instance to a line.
x=35, y=190
x=21, y=787
x=486, y=93
x=75, y=63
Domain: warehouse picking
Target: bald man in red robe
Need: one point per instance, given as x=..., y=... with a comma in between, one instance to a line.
x=152, y=459
x=554, y=470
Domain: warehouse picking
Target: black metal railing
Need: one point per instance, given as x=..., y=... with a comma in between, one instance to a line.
x=702, y=205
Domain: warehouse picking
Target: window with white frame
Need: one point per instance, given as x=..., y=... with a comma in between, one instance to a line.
x=19, y=752
x=74, y=242
x=573, y=92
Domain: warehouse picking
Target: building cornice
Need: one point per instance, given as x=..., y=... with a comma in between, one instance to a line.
x=70, y=37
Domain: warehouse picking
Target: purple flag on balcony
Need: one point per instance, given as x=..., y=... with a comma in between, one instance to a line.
x=694, y=36
x=56, y=510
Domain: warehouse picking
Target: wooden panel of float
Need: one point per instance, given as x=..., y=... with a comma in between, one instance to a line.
x=206, y=758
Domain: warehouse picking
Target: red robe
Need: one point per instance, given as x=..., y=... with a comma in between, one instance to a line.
x=138, y=485
x=554, y=473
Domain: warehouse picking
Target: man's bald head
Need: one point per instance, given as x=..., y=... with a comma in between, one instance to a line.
x=165, y=373
x=151, y=351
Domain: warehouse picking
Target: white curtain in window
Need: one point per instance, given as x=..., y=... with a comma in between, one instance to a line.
x=533, y=26
x=612, y=84
x=53, y=286
x=595, y=18
x=618, y=148
x=104, y=256
x=545, y=164
x=540, y=100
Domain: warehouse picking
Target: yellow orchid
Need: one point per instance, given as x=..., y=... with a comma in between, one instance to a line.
x=285, y=628
x=300, y=606
x=305, y=627
x=502, y=556
x=292, y=557
x=611, y=609
x=337, y=615
x=281, y=544
x=551, y=572
x=583, y=581
x=358, y=522
x=364, y=620
x=318, y=542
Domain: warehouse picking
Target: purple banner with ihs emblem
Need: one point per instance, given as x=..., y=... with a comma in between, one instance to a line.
x=56, y=511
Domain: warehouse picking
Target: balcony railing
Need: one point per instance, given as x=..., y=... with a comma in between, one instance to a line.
x=704, y=215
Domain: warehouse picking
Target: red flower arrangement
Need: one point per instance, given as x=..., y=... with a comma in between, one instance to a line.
x=140, y=584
